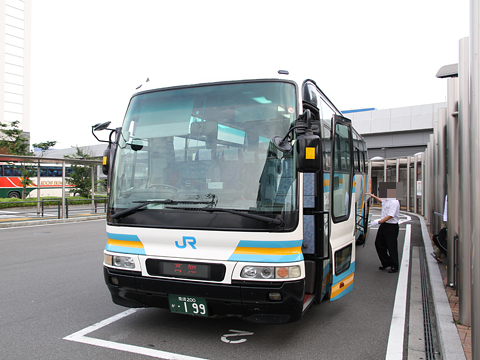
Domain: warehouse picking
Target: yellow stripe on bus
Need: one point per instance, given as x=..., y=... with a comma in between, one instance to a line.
x=338, y=288
x=268, y=251
x=124, y=243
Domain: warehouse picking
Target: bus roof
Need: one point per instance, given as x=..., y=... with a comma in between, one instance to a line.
x=186, y=79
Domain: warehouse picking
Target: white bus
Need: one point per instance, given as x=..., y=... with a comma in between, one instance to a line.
x=231, y=198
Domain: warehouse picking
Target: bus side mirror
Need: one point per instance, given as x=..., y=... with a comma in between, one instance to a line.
x=308, y=144
x=309, y=158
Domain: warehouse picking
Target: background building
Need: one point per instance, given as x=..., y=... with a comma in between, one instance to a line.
x=15, y=54
x=398, y=132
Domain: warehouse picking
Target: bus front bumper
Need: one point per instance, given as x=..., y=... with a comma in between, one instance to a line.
x=249, y=300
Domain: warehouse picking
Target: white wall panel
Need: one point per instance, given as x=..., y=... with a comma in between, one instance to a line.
x=14, y=50
x=18, y=4
x=9, y=116
x=11, y=107
x=14, y=89
x=14, y=69
x=11, y=11
x=14, y=31
x=14, y=60
x=14, y=79
x=13, y=21
x=14, y=98
x=13, y=40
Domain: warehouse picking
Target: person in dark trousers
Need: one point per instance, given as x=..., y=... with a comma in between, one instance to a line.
x=386, y=241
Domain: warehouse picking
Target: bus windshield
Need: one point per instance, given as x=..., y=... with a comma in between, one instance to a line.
x=185, y=152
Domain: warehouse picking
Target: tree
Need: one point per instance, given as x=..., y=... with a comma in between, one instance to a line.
x=27, y=173
x=81, y=176
x=44, y=146
x=12, y=141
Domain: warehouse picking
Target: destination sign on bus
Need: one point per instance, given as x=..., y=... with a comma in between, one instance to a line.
x=186, y=270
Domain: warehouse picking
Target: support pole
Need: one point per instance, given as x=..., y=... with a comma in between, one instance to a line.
x=435, y=176
x=431, y=182
x=62, y=216
x=408, y=183
x=422, y=202
x=38, y=188
x=442, y=187
x=385, y=170
x=464, y=293
x=452, y=176
x=415, y=179
x=475, y=171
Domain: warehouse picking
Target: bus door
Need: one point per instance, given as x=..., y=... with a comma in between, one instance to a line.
x=342, y=222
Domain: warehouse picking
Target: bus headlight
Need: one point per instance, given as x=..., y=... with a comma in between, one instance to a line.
x=125, y=262
x=270, y=272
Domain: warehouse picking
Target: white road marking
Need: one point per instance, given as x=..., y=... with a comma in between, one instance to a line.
x=397, y=326
x=236, y=333
x=80, y=337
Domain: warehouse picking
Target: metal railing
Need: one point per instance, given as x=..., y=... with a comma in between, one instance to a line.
x=93, y=205
x=52, y=208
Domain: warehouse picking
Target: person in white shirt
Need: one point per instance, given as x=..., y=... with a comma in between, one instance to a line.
x=386, y=242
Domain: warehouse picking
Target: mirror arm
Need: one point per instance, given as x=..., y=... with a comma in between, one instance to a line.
x=93, y=133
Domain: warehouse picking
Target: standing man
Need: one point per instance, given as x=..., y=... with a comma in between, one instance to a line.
x=386, y=241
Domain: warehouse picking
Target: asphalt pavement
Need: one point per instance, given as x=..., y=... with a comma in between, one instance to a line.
x=54, y=305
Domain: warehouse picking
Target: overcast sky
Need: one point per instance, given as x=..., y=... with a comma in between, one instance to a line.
x=89, y=56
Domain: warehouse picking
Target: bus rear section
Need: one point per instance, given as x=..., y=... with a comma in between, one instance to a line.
x=215, y=211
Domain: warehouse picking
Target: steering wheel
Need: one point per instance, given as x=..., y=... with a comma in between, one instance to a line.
x=160, y=186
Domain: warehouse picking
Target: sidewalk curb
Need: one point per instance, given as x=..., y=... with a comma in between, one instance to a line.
x=451, y=346
x=7, y=225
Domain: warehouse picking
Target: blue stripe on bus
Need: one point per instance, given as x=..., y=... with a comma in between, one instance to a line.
x=126, y=250
x=123, y=237
x=270, y=244
x=266, y=258
x=338, y=278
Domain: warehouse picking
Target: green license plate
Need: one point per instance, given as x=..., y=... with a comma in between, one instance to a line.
x=188, y=305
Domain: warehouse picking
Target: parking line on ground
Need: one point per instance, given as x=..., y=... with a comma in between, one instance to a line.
x=80, y=336
x=397, y=326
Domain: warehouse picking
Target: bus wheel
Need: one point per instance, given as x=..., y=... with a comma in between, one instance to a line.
x=14, y=194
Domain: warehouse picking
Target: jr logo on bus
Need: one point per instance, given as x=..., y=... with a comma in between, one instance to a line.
x=187, y=240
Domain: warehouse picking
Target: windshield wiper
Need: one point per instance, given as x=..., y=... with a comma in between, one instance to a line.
x=266, y=219
x=145, y=203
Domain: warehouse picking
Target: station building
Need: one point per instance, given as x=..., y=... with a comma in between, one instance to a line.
x=398, y=132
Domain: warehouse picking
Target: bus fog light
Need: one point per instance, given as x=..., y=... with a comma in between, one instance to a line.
x=114, y=280
x=275, y=296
